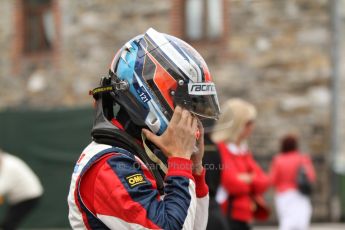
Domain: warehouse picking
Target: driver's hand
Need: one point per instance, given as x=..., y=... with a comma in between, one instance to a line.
x=179, y=139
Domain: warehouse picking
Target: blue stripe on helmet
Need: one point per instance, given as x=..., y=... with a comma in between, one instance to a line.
x=126, y=68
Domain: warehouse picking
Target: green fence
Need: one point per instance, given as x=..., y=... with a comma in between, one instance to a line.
x=49, y=142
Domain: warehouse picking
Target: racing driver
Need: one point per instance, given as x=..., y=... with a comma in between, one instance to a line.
x=143, y=168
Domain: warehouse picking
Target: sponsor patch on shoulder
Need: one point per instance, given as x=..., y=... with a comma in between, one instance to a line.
x=135, y=179
x=202, y=88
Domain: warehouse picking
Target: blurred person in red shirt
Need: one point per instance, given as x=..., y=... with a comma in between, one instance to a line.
x=293, y=207
x=242, y=179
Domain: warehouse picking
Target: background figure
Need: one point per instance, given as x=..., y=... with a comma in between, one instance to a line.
x=212, y=164
x=20, y=187
x=242, y=180
x=293, y=208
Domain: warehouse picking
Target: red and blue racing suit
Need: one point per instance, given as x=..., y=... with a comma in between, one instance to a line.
x=113, y=189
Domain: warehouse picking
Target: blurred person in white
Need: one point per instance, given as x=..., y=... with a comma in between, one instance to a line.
x=292, y=174
x=21, y=189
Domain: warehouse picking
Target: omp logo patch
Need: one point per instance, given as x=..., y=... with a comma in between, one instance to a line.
x=201, y=89
x=135, y=179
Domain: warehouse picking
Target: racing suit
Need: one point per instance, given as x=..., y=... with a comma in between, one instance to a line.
x=113, y=189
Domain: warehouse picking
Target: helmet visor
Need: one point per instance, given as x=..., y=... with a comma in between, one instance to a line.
x=198, y=98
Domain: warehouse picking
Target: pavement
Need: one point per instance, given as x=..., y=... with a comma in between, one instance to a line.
x=318, y=226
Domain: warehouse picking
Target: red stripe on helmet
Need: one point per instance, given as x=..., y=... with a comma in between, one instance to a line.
x=164, y=81
x=207, y=74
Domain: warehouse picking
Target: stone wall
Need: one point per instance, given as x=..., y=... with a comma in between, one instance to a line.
x=341, y=161
x=280, y=61
x=9, y=88
x=277, y=56
x=90, y=33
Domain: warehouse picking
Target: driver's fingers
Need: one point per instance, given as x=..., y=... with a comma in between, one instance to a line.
x=176, y=115
x=194, y=124
x=184, y=118
x=190, y=120
x=200, y=127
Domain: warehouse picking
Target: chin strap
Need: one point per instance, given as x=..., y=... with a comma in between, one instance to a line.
x=152, y=156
